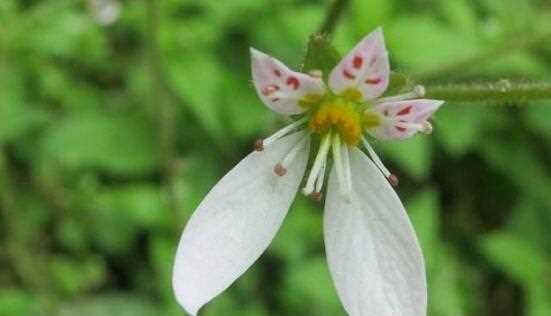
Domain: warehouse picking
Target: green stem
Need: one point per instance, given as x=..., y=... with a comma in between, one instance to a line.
x=162, y=106
x=502, y=91
x=334, y=12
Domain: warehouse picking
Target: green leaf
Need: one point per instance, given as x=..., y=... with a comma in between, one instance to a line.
x=460, y=14
x=141, y=203
x=16, y=302
x=424, y=212
x=412, y=155
x=519, y=259
x=118, y=144
x=110, y=304
x=537, y=117
x=422, y=42
x=73, y=276
x=162, y=258
x=398, y=82
x=458, y=126
x=310, y=289
x=301, y=229
x=320, y=55
x=197, y=79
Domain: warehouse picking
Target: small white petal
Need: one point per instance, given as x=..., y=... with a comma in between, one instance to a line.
x=280, y=88
x=373, y=253
x=235, y=223
x=365, y=68
x=404, y=119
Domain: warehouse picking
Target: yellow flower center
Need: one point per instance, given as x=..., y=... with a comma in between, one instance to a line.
x=343, y=114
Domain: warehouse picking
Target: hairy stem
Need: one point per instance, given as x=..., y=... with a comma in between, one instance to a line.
x=334, y=12
x=500, y=92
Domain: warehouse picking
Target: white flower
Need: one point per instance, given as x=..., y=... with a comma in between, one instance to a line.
x=373, y=253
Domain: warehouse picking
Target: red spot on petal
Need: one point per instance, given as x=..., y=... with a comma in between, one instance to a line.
x=293, y=82
x=277, y=73
x=268, y=90
x=348, y=75
x=405, y=110
x=373, y=81
x=400, y=128
x=357, y=62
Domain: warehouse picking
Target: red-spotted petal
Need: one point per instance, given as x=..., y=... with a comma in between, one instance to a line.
x=403, y=119
x=280, y=88
x=365, y=68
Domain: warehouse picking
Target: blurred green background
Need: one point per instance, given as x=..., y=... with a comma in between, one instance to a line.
x=114, y=126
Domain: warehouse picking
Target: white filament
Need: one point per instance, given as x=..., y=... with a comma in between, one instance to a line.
x=346, y=164
x=321, y=176
x=418, y=92
x=284, y=131
x=291, y=155
x=319, y=163
x=375, y=158
x=339, y=166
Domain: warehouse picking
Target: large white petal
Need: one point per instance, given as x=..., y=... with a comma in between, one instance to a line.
x=373, y=253
x=280, y=88
x=235, y=223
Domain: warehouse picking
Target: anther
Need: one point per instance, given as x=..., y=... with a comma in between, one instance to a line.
x=427, y=128
x=280, y=170
x=316, y=73
x=393, y=179
x=316, y=196
x=419, y=91
x=259, y=145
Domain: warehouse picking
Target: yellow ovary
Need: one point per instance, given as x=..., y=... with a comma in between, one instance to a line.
x=342, y=117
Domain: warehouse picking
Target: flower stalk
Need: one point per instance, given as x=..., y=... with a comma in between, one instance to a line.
x=334, y=12
x=500, y=92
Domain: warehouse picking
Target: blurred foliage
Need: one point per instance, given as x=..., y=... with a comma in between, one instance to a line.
x=96, y=185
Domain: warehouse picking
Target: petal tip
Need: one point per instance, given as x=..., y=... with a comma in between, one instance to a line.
x=377, y=33
x=256, y=54
x=192, y=308
x=190, y=304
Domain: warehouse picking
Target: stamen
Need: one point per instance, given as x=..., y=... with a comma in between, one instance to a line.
x=316, y=196
x=376, y=158
x=319, y=162
x=259, y=145
x=418, y=92
x=346, y=165
x=282, y=132
x=321, y=177
x=339, y=166
x=281, y=168
x=393, y=179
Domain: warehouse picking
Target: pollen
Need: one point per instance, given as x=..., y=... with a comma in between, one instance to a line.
x=340, y=116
